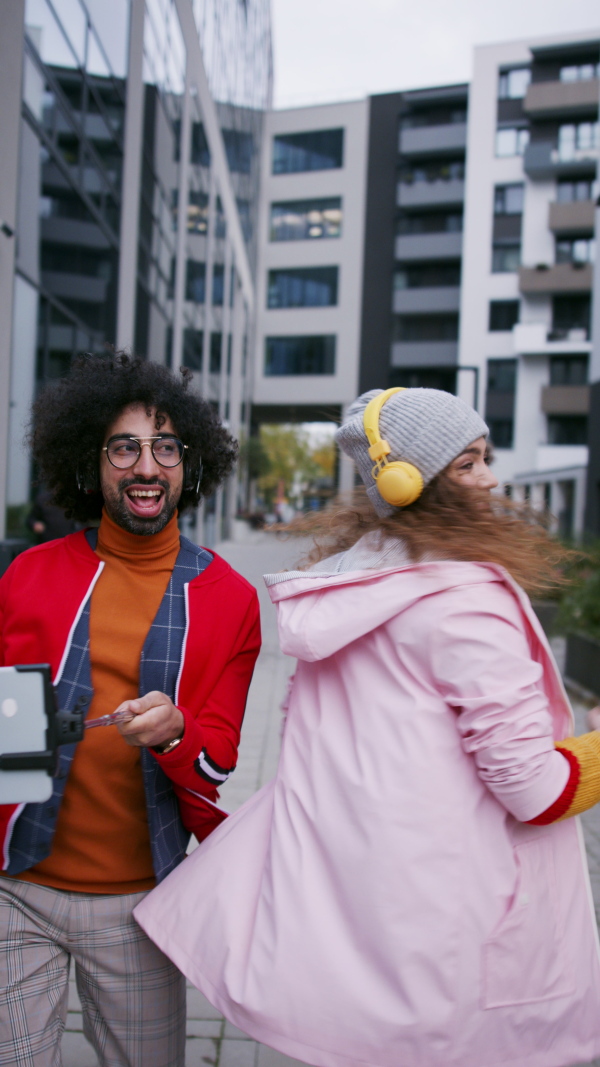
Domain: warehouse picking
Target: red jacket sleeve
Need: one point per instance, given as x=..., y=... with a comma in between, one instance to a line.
x=222, y=647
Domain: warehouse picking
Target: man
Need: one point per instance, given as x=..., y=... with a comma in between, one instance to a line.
x=135, y=618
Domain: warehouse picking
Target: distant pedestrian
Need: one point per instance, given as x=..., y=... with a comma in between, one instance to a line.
x=47, y=521
x=411, y=890
x=134, y=619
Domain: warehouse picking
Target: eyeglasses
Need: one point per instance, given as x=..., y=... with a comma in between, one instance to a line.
x=125, y=451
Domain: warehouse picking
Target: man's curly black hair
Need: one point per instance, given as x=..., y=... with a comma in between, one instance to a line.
x=70, y=419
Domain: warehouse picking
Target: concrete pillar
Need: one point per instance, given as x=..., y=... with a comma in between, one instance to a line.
x=182, y=215
x=12, y=20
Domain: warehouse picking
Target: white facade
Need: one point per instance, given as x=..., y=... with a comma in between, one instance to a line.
x=532, y=460
x=345, y=252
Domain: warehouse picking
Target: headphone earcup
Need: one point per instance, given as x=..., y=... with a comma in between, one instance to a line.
x=399, y=483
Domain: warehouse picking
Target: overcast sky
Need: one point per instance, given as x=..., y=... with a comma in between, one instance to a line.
x=327, y=50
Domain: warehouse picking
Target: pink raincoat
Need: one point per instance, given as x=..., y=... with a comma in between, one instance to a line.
x=381, y=903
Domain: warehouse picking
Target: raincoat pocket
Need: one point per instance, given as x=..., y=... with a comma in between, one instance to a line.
x=524, y=959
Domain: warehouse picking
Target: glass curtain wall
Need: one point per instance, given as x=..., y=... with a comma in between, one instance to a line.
x=69, y=202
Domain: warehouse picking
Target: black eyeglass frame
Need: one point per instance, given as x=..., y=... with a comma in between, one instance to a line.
x=140, y=441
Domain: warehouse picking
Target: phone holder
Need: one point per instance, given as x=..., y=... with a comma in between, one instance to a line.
x=64, y=728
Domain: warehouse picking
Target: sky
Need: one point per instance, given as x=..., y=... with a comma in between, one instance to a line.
x=328, y=50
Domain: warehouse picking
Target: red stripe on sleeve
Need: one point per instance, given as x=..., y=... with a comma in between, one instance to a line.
x=564, y=801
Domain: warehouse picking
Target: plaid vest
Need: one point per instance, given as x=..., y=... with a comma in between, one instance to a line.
x=160, y=666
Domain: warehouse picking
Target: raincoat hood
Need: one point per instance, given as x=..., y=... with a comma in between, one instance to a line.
x=313, y=626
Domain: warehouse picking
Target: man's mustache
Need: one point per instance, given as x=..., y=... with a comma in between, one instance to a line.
x=125, y=483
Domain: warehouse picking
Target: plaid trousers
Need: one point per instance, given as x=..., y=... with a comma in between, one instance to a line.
x=133, y=998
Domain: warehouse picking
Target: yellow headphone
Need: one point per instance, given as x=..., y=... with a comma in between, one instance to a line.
x=398, y=483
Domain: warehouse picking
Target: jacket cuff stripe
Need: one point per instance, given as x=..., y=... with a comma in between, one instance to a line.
x=209, y=770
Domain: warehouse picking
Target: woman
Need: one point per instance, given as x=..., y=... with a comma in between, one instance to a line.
x=411, y=889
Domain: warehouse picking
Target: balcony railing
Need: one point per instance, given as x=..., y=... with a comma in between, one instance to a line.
x=560, y=98
x=560, y=278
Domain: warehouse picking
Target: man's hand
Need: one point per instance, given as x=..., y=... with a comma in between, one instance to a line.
x=156, y=721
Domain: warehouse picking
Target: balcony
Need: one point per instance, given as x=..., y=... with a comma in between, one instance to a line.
x=562, y=99
x=566, y=399
x=576, y=217
x=430, y=194
x=431, y=140
x=560, y=278
x=420, y=301
x=424, y=353
x=535, y=339
x=428, y=246
x=543, y=162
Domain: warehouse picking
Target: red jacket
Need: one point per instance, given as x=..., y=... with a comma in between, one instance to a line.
x=41, y=596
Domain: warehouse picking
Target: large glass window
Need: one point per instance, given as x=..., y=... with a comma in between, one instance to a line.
x=426, y=328
x=579, y=72
x=239, y=148
x=423, y=378
x=451, y=170
x=314, y=354
x=301, y=287
x=302, y=220
x=571, y=317
x=570, y=190
x=575, y=250
x=504, y=314
x=513, y=84
x=500, y=400
x=195, y=281
x=511, y=141
x=317, y=150
x=508, y=199
x=433, y=116
x=192, y=348
x=569, y=370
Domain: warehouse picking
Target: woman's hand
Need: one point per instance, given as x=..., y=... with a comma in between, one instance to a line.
x=593, y=718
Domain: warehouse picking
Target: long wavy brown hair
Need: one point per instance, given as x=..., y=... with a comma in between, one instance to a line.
x=450, y=522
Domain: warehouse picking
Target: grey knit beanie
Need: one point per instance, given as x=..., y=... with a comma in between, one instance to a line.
x=425, y=427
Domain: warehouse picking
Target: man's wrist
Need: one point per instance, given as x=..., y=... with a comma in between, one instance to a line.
x=168, y=746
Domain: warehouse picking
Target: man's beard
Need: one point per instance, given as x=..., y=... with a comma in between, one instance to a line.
x=114, y=501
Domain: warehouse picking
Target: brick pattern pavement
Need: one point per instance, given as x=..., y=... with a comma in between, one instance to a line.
x=211, y=1040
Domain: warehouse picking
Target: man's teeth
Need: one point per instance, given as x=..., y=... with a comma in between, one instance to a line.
x=144, y=492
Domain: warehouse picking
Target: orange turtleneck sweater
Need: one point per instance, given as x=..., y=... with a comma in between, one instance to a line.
x=102, y=844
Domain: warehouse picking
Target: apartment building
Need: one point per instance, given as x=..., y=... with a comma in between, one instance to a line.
x=309, y=279
x=532, y=149
x=131, y=143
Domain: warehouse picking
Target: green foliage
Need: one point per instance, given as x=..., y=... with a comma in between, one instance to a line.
x=580, y=603
x=293, y=458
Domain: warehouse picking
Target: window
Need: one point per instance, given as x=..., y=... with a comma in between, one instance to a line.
x=574, y=138
x=195, y=281
x=197, y=217
x=575, y=250
x=571, y=313
x=434, y=171
x=302, y=287
x=567, y=430
x=423, y=378
x=430, y=222
x=580, y=72
x=302, y=220
x=434, y=116
x=192, y=349
x=218, y=284
x=300, y=355
x=568, y=370
x=506, y=257
x=512, y=84
x=214, y=364
x=426, y=328
x=239, y=149
x=508, y=199
x=569, y=191
x=500, y=400
x=199, y=153
x=501, y=376
x=427, y=275
x=317, y=150
x=504, y=314
x=511, y=141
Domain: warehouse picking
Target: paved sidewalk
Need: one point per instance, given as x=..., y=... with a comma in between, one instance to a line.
x=213, y=1042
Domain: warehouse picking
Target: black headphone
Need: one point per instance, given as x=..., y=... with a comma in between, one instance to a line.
x=192, y=478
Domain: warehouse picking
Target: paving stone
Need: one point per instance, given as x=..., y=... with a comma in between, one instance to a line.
x=74, y=1020
x=269, y=1057
x=201, y=1052
x=204, y=1028
x=74, y=1001
x=238, y=1053
x=233, y=1031
x=198, y=1006
x=76, y=1051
